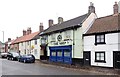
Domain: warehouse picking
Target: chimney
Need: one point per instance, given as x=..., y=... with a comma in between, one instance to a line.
x=115, y=8
x=50, y=22
x=91, y=8
x=41, y=27
x=60, y=20
x=9, y=39
x=24, y=32
x=29, y=31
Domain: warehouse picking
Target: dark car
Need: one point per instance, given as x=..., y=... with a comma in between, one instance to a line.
x=3, y=54
x=26, y=58
x=13, y=55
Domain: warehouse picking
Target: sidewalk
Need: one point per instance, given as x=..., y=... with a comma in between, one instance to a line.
x=107, y=71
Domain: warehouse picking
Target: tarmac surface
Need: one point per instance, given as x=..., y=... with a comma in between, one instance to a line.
x=16, y=68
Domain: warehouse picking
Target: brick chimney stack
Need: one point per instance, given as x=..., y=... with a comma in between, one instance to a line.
x=60, y=20
x=9, y=39
x=50, y=22
x=24, y=32
x=115, y=8
x=91, y=8
x=29, y=31
x=41, y=28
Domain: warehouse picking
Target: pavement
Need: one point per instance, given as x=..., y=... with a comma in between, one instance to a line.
x=100, y=70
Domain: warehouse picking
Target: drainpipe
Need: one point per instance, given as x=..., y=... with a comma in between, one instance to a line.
x=73, y=41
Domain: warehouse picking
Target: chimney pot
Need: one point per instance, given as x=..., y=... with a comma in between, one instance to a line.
x=91, y=8
x=50, y=22
x=115, y=8
x=24, y=32
x=60, y=20
x=9, y=39
x=29, y=31
x=41, y=27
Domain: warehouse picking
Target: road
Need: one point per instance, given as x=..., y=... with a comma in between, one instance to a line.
x=17, y=68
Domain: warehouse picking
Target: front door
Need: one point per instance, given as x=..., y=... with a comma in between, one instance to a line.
x=116, y=58
x=86, y=56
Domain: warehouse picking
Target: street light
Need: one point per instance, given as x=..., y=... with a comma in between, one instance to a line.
x=3, y=35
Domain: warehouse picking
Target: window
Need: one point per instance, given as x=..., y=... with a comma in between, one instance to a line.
x=35, y=42
x=43, y=41
x=100, y=39
x=21, y=44
x=28, y=42
x=53, y=53
x=99, y=56
x=67, y=34
x=59, y=53
x=53, y=37
x=66, y=53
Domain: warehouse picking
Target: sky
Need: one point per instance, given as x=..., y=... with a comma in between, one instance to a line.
x=16, y=15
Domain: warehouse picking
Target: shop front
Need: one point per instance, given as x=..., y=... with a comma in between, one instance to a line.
x=62, y=54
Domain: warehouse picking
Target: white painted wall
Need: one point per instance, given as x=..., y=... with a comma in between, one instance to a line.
x=70, y=42
x=36, y=50
x=88, y=22
x=110, y=46
x=22, y=47
x=76, y=37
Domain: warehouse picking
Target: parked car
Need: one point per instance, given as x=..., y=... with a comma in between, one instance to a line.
x=3, y=54
x=13, y=55
x=26, y=58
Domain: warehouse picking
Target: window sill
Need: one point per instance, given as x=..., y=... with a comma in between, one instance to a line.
x=100, y=43
x=100, y=61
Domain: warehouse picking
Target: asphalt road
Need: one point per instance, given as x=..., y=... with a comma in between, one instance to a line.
x=17, y=68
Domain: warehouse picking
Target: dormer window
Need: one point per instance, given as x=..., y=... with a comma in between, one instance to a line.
x=100, y=39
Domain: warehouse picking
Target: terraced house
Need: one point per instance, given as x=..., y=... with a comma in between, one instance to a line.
x=101, y=41
x=63, y=42
x=29, y=43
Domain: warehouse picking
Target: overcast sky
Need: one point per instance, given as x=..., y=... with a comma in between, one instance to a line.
x=16, y=15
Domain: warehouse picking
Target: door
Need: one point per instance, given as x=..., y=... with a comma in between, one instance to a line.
x=116, y=58
x=87, y=58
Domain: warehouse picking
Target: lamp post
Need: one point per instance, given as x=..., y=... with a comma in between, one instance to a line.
x=3, y=35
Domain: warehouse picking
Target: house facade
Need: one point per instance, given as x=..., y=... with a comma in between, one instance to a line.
x=29, y=43
x=2, y=47
x=101, y=41
x=64, y=40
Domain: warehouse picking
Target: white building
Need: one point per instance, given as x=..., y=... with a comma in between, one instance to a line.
x=29, y=43
x=64, y=42
x=101, y=42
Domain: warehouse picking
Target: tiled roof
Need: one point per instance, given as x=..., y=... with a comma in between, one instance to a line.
x=105, y=24
x=25, y=38
x=66, y=24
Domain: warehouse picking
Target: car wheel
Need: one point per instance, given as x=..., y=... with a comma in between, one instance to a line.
x=19, y=60
x=12, y=58
x=7, y=58
x=24, y=61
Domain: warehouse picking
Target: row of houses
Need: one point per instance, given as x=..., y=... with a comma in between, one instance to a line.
x=85, y=40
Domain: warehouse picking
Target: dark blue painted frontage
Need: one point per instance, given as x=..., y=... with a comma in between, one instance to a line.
x=61, y=54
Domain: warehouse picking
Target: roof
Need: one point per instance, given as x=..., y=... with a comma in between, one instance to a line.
x=26, y=37
x=105, y=24
x=66, y=24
